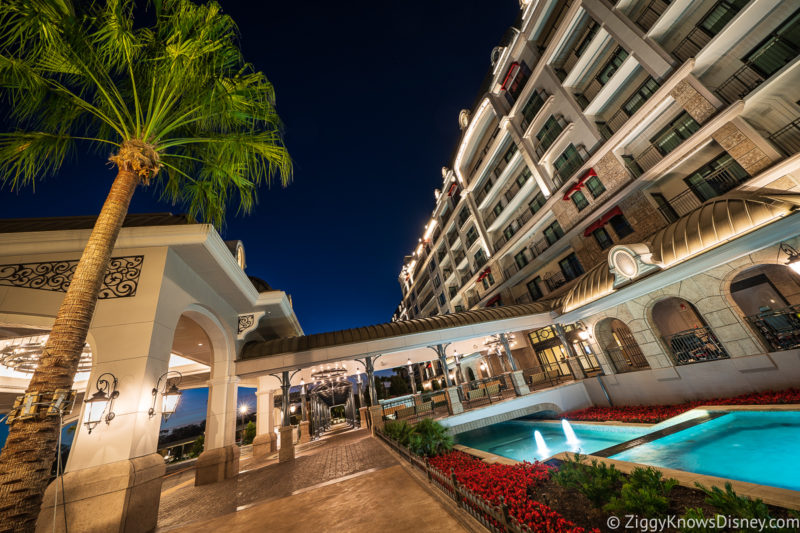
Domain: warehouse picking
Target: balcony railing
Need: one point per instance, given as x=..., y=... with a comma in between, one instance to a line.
x=695, y=41
x=650, y=15
x=452, y=238
x=564, y=64
x=628, y=359
x=787, y=139
x=589, y=93
x=524, y=298
x=780, y=328
x=472, y=300
x=643, y=162
x=747, y=78
x=460, y=256
x=695, y=346
x=717, y=183
x=554, y=280
x=484, y=192
x=546, y=138
x=552, y=24
x=569, y=167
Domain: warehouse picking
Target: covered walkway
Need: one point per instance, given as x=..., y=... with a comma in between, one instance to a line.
x=344, y=481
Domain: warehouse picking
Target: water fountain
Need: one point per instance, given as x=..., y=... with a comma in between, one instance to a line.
x=572, y=439
x=541, y=447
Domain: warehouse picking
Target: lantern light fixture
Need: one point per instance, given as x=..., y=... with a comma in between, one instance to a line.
x=101, y=401
x=170, y=394
x=792, y=256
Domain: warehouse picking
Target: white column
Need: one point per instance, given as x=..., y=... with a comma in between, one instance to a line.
x=265, y=403
x=221, y=413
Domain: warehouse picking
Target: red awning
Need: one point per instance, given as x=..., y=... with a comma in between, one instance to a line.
x=602, y=221
x=493, y=300
x=486, y=272
x=586, y=175
x=452, y=189
x=513, y=70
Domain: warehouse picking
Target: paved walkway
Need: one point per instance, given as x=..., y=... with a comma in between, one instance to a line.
x=345, y=482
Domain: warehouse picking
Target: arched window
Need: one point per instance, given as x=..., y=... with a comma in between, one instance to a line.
x=470, y=374
x=685, y=334
x=769, y=298
x=620, y=346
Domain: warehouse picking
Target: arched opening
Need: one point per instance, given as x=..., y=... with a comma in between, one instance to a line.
x=686, y=335
x=620, y=346
x=470, y=374
x=769, y=298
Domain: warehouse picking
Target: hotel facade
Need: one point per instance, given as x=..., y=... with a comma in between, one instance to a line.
x=632, y=168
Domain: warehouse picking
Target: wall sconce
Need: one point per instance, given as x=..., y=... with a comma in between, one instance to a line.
x=169, y=396
x=292, y=408
x=100, y=401
x=583, y=332
x=792, y=256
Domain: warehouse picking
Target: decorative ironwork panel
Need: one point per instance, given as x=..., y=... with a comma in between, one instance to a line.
x=121, y=279
x=245, y=322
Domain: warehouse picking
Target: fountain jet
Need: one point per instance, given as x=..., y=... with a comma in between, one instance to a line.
x=541, y=446
x=572, y=439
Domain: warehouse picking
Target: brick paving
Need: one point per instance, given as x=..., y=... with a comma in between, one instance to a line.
x=334, y=457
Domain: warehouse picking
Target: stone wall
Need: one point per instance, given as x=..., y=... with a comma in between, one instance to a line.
x=698, y=107
x=741, y=148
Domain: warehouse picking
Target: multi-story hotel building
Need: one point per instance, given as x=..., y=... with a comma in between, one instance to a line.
x=617, y=155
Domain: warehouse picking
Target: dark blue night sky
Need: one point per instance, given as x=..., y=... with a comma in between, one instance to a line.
x=370, y=94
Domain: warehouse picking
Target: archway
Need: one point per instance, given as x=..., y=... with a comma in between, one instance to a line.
x=620, y=346
x=685, y=333
x=768, y=296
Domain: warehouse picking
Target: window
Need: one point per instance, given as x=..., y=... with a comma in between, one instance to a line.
x=642, y=94
x=716, y=178
x=621, y=226
x=612, y=65
x=535, y=103
x=453, y=291
x=720, y=15
x=579, y=200
x=537, y=203
x=510, y=230
x=480, y=258
x=441, y=299
x=595, y=186
x=553, y=232
x=567, y=163
x=459, y=308
x=472, y=236
x=603, y=238
x=488, y=280
x=523, y=176
x=675, y=133
x=488, y=186
x=778, y=49
x=463, y=215
x=416, y=310
x=664, y=206
x=498, y=208
x=533, y=288
x=521, y=259
x=571, y=267
x=548, y=134
x=510, y=152
x=436, y=282
x=581, y=48
x=432, y=266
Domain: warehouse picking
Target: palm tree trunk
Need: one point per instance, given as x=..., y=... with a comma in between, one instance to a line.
x=27, y=457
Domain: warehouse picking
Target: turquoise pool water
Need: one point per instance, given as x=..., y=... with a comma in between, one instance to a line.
x=757, y=446
x=514, y=439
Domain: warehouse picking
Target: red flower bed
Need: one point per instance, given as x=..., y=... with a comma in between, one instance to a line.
x=651, y=414
x=491, y=481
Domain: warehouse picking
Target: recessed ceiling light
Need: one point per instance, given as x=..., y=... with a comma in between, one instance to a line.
x=199, y=343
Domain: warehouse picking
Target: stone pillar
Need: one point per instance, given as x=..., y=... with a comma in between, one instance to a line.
x=266, y=442
x=440, y=352
x=363, y=414
x=373, y=394
x=220, y=459
x=454, y=401
x=305, y=436
x=286, y=450
x=376, y=415
x=116, y=467
x=507, y=349
x=520, y=387
x=412, y=376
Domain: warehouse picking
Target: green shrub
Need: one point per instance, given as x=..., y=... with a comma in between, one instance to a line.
x=398, y=430
x=644, y=493
x=249, y=433
x=696, y=514
x=197, y=447
x=730, y=503
x=430, y=438
x=598, y=481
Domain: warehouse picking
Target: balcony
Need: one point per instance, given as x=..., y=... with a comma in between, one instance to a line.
x=452, y=238
x=650, y=14
x=662, y=144
x=769, y=59
x=589, y=93
x=552, y=24
x=787, y=139
x=694, y=346
x=695, y=41
x=570, y=166
x=717, y=183
x=484, y=192
x=459, y=258
x=534, y=250
x=554, y=280
x=568, y=58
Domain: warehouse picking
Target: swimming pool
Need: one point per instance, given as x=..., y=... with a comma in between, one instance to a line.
x=515, y=439
x=756, y=446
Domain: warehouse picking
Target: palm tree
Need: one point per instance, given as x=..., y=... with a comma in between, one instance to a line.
x=177, y=108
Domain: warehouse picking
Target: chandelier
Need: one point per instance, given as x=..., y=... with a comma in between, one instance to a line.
x=22, y=354
x=328, y=373
x=494, y=344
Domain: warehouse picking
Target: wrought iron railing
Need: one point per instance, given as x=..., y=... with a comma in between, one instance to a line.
x=472, y=300
x=779, y=328
x=717, y=183
x=554, y=280
x=695, y=346
x=688, y=47
x=484, y=191
x=523, y=298
x=563, y=65
x=547, y=375
x=627, y=359
x=414, y=407
x=787, y=139
x=460, y=256
x=650, y=15
x=589, y=93
x=452, y=238
x=562, y=174
x=546, y=138
x=486, y=391
x=747, y=78
x=647, y=159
